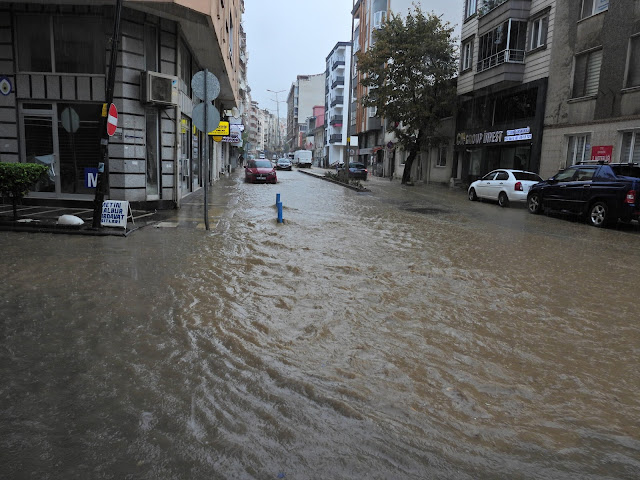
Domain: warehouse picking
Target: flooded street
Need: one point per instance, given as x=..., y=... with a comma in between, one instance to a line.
x=405, y=333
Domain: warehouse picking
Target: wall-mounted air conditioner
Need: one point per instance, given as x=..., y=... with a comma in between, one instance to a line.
x=158, y=88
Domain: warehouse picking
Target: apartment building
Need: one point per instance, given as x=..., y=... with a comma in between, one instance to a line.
x=593, y=101
x=506, y=47
x=54, y=60
x=306, y=92
x=372, y=144
x=315, y=140
x=337, y=85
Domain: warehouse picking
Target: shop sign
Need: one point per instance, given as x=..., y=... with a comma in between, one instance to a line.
x=518, y=134
x=602, y=153
x=115, y=213
x=464, y=138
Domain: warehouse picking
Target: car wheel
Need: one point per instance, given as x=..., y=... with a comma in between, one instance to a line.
x=472, y=195
x=503, y=200
x=534, y=203
x=599, y=214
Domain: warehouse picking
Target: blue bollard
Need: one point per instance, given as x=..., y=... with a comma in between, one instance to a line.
x=277, y=198
x=279, y=204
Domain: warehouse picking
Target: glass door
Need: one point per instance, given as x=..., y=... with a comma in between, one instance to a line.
x=41, y=145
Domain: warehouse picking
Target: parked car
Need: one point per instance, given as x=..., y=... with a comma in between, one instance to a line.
x=504, y=186
x=260, y=171
x=283, y=164
x=358, y=171
x=602, y=192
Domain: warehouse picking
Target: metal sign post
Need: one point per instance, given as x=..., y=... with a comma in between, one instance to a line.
x=206, y=118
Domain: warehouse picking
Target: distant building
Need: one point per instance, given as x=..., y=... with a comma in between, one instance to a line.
x=315, y=135
x=338, y=83
x=306, y=92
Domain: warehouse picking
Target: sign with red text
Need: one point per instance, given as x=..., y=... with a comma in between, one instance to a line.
x=602, y=153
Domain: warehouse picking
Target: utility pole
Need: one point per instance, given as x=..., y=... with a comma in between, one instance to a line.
x=277, y=113
x=103, y=165
x=348, y=139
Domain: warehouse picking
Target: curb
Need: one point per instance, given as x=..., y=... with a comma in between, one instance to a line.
x=327, y=179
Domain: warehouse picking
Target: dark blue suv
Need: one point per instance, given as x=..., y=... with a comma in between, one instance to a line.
x=603, y=193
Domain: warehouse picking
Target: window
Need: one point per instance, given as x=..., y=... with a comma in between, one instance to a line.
x=372, y=111
x=591, y=7
x=470, y=8
x=467, y=55
x=378, y=18
x=502, y=176
x=579, y=149
x=35, y=33
x=442, y=156
x=630, y=147
x=633, y=63
x=538, y=29
x=587, y=74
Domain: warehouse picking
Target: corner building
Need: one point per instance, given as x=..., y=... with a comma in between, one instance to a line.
x=54, y=59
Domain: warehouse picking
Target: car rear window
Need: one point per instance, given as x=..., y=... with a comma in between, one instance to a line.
x=626, y=170
x=357, y=165
x=527, y=176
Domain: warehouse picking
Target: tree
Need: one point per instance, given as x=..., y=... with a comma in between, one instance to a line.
x=410, y=73
x=16, y=178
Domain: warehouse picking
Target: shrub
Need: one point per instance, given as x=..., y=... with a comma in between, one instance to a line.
x=16, y=178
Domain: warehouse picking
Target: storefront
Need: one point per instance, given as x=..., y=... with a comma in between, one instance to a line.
x=500, y=130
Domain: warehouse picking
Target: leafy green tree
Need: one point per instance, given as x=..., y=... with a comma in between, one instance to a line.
x=410, y=73
x=16, y=178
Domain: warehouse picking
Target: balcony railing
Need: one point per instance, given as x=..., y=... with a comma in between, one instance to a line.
x=336, y=120
x=337, y=81
x=489, y=5
x=337, y=100
x=337, y=62
x=335, y=137
x=505, y=56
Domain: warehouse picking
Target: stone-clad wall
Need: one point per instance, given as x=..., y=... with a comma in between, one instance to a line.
x=8, y=108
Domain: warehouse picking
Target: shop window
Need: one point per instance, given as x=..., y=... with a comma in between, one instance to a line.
x=630, y=147
x=517, y=106
x=467, y=55
x=470, y=8
x=591, y=7
x=587, y=74
x=633, y=63
x=538, y=32
x=579, y=149
x=34, y=43
x=38, y=136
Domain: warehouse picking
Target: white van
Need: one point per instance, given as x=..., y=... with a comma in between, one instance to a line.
x=303, y=158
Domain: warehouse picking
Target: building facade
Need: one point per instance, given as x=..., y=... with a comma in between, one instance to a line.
x=306, y=92
x=337, y=86
x=54, y=61
x=505, y=56
x=593, y=100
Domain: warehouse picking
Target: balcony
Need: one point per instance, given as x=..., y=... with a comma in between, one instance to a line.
x=335, y=138
x=337, y=100
x=336, y=120
x=505, y=56
x=337, y=62
x=337, y=81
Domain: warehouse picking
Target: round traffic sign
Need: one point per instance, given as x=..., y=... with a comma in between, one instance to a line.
x=212, y=89
x=112, y=120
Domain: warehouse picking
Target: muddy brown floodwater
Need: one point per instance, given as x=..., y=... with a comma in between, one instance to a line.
x=405, y=333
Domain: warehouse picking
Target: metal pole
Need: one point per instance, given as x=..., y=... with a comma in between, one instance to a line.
x=104, y=141
x=206, y=155
x=277, y=112
x=347, y=142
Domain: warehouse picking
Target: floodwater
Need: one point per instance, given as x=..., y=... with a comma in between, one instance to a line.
x=405, y=333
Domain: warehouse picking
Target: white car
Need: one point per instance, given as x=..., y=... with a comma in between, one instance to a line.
x=503, y=186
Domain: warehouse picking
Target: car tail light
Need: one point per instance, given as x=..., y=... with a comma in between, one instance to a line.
x=366, y=171
x=518, y=187
x=631, y=197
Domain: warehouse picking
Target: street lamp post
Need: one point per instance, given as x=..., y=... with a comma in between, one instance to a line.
x=277, y=112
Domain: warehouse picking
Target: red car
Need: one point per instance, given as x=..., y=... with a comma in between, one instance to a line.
x=260, y=171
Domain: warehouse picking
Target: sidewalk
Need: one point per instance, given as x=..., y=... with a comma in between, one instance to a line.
x=42, y=218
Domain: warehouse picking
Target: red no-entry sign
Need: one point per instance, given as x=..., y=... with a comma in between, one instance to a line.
x=112, y=120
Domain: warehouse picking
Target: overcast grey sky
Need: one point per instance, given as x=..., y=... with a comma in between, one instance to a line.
x=286, y=38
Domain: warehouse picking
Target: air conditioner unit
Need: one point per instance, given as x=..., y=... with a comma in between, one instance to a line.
x=158, y=88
